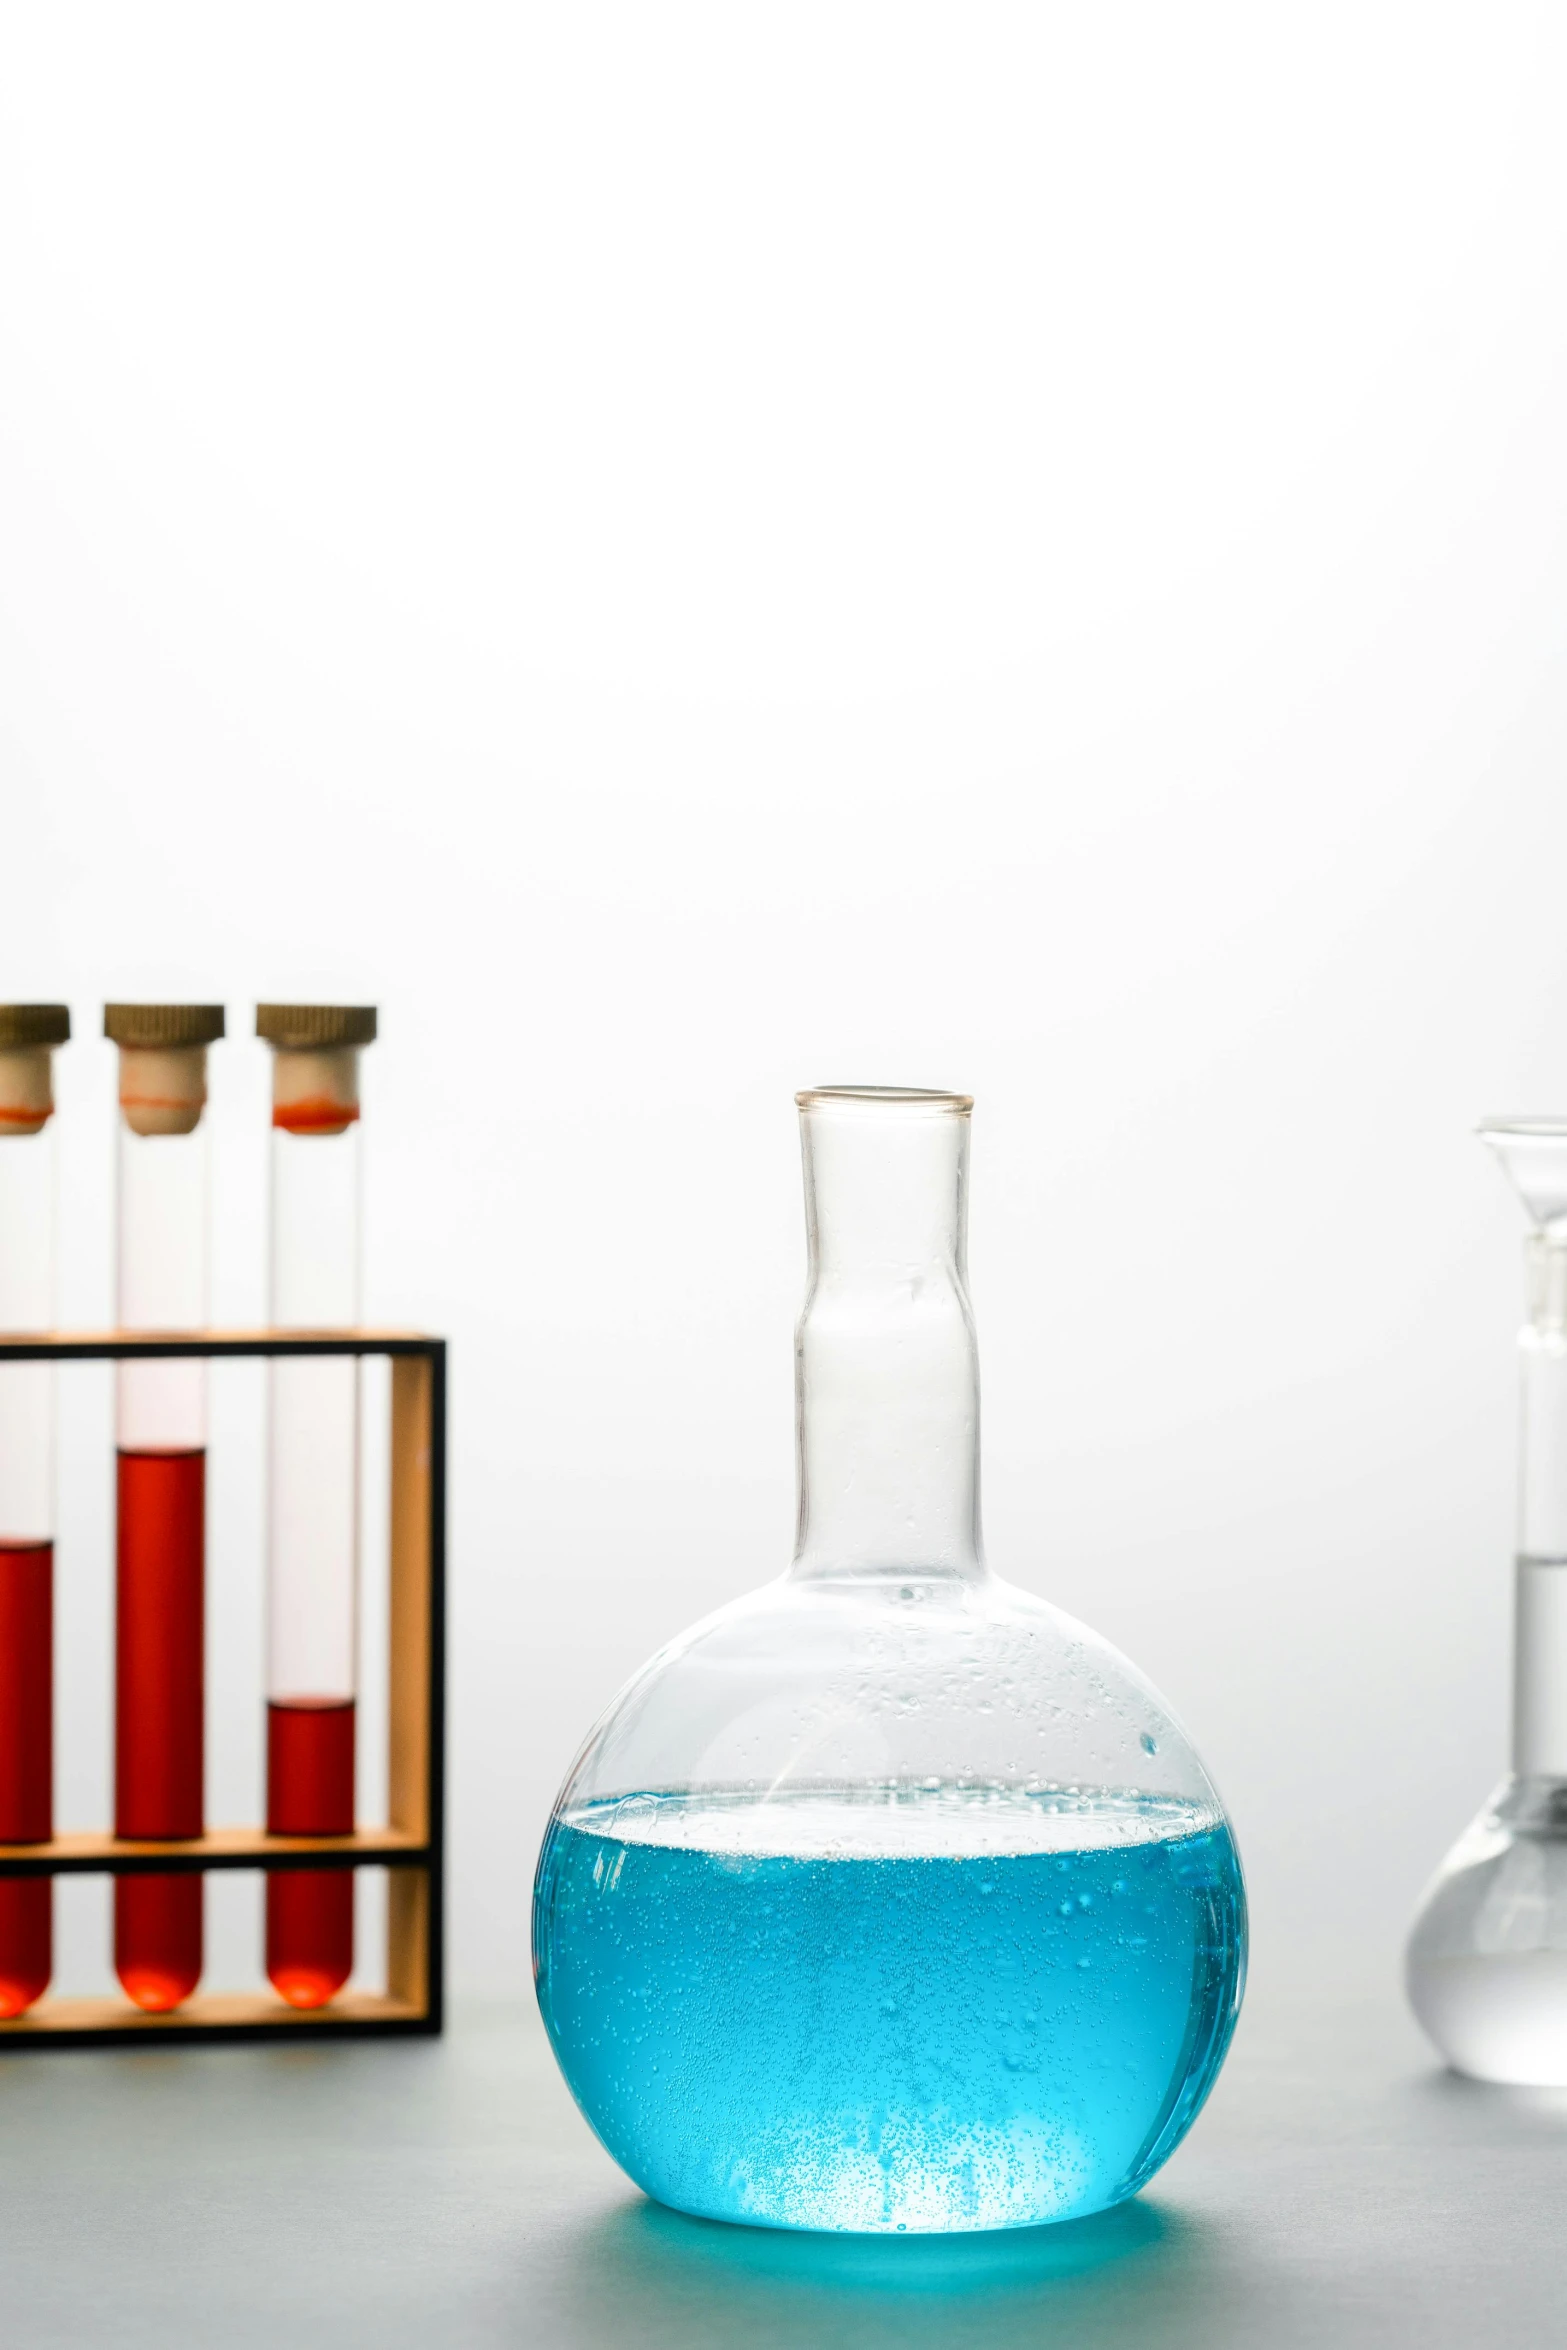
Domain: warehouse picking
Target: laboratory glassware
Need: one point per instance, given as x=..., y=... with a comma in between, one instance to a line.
x=313, y=1484
x=1487, y=1961
x=161, y=1465
x=888, y=1898
x=29, y=1034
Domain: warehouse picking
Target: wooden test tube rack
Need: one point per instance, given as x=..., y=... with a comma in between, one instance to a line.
x=410, y=1847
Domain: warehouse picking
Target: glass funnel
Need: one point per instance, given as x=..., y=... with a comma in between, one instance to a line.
x=888, y=1898
x=1487, y=1960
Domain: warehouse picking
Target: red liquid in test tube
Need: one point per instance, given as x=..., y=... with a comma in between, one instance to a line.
x=159, y=1704
x=310, y=1792
x=26, y=1765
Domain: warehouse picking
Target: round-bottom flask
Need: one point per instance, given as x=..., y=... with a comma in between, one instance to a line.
x=1487, y=1964
x=889, y=1899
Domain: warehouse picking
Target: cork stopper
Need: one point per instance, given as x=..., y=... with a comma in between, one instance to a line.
x=315, y=1063
x=163, y=1092
x=150, y=1026
x=301, y=1027
x=28, y=1036
x=163, y=1062
x=23, y=1025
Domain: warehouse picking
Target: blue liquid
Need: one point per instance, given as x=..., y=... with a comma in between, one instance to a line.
x=914, y=2010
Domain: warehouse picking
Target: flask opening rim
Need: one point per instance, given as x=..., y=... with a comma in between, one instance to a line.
x=930, y=1099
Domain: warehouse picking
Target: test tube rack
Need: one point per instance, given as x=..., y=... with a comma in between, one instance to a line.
x=410, y=1847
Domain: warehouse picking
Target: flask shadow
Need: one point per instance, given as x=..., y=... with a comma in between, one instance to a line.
x=645, y=2273
x=1454, y=2096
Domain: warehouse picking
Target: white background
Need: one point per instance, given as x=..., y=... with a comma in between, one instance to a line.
x=688, y=551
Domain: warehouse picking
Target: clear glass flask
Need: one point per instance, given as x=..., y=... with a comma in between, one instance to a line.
x=1486, y=1967
x=888, y=1898
x=161, y=1470
x=29, y=1034
x=313, y=1485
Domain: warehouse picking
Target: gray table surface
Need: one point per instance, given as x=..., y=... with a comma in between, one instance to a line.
x=1339, y=2190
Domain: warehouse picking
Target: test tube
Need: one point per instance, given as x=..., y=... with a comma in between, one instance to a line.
x=313, y=1485
x=161, y=1439
x=28, y=1036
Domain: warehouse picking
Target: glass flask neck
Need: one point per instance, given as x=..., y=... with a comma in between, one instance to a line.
x=886, y=1371
x=1542, y=1349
